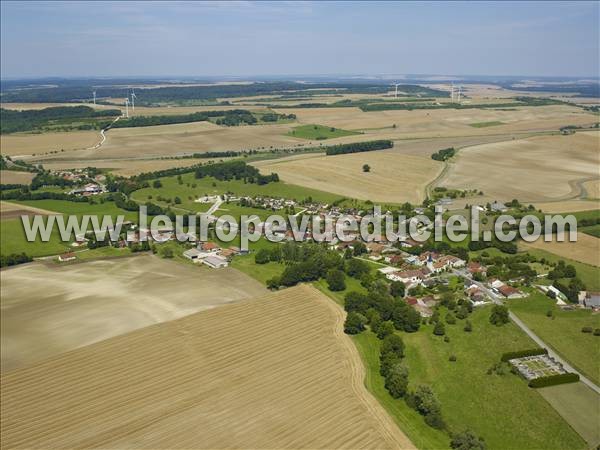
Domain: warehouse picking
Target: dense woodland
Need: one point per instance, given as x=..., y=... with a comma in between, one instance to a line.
x=12, y=121
x=358, y=147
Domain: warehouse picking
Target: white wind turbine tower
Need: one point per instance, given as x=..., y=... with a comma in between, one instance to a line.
x=127, y=107
x=452, y=92
x=396, y=94
x=459, y=93
x=94, y=97
x=133, y=97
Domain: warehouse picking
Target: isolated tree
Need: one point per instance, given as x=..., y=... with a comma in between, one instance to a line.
x=355, y=323
x=468, y=326
x=439, y=329
x=499, y=315
x=273, y=283
x=335, y=280
x=467, y=441
x=156, y=184
x=366, y=168
x=450, y=319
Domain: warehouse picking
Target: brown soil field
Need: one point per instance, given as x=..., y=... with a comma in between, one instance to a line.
x=26, y=144
x=50, y=309
x=14, y=177
x=444, y=122
x=275, y=372
x=537, y=169
x=585, y=250
x=12, y=210
x=394, y=177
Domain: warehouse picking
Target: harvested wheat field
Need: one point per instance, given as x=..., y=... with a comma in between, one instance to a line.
x=274, y=372
x=71, y=306
x=395, y=177
x=125, y=167
x=585, y=250
x=535, y=169
x=444, y=122
x=14, y=177
x=568, y=206
x=27, y=144
x=592, y=189
x=186, y=138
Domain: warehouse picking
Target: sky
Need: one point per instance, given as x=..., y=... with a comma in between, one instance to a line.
x=76, y=39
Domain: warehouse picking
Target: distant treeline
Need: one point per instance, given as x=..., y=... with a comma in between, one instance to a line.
x=235, y=170
x=69, y=92
x=14, y=258
x=358, y=147
x=233, y=117
x=444, y=154
x=12, y=121
x=519, y=101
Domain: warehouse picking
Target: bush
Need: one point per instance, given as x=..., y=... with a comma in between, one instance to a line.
x=452, y=358
x=553, y=380
x=439, y=329
x=467, y=441
x=522, y=353
x=586, y=330
x=597, y=332
x=499, y=315
x=336, y=280
x=355, y=323
x=468, y=326
x=396, y=380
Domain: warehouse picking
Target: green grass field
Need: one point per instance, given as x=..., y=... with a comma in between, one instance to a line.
x=580, y=407
x=594, y=230
x=12, y=234
x=590, y=275
x=191, y=188
x=563, y=332
x=465, y=390
x=486, y=124
x=319, y=132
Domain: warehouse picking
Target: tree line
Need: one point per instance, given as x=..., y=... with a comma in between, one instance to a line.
x=358, y=147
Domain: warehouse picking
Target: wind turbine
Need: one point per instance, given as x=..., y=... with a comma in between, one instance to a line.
x=452, y=92
x=127, y=107
x=94, y=97
x=396, y=91
x=133, y=97
x=459, y=93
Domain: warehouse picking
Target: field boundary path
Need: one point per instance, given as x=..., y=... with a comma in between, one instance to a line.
x=496, y=299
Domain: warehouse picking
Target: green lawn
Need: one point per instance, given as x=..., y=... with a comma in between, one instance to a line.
x=352, y=284
x=319, y=132
x=563, y=332
x=579, y=405
x=500, y=408
x=261, y=272
x=486, y=124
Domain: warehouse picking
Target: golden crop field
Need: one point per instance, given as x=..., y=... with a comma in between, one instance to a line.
x=274, y=372
x=14, y=177
x=395, y=177
x=444, y=122
x=70, y=306
x=535, y=169
x=568, y=206
x=27, y=144
x=125, y=167
x=585, y=250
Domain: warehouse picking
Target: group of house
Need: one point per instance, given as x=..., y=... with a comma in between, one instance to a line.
x=416, y=269
x=211, y=255
x=88, y=189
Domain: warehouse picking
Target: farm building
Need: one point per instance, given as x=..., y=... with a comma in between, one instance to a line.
x=510, y=292
x=216, y=262
x=70, y=256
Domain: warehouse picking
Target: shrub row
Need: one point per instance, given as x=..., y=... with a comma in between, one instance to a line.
x=358, y=147
x=522, y=353
x=553, y=380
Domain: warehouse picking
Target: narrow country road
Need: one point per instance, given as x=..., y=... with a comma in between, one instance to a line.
x=496, y=299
